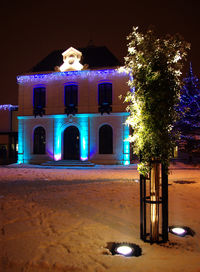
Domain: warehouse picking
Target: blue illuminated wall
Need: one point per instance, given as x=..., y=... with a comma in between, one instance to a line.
x=121, y=147
x=20, y=141
x=126, y=146
x=84, y=138
x=60, y=124
x=57, y=139
x=88, y=127
x=23, y=141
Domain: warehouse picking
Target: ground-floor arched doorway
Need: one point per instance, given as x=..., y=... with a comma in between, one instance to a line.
x=71, y=147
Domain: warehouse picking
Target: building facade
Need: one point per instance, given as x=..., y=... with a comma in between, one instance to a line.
x=8, y=133
x=74, y=112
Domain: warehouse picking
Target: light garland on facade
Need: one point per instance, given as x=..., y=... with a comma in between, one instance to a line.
x=8, y=107
x=54, y=146
x=48, y=77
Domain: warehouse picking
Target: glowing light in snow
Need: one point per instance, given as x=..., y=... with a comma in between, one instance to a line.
x=179, y=231
x=124, y=250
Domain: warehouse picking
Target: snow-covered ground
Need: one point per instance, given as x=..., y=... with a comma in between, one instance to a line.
x=62, y=219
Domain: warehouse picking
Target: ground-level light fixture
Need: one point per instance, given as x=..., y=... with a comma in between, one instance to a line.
x=125, y=249
x=181, y=231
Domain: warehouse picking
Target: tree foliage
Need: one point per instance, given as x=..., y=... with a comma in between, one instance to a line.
x=154, y=65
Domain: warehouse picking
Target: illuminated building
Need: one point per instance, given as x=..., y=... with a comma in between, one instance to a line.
x=8, y=133
x=74, y=112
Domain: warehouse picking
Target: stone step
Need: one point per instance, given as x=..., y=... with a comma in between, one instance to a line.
x=71, y=163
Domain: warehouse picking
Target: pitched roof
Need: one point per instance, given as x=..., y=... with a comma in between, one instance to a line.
x=93, y=56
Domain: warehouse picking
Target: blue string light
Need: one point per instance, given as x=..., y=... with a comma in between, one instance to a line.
x=8, y=107
x=53, y=76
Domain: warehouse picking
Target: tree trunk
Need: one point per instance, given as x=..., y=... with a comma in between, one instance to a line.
x=154, y=198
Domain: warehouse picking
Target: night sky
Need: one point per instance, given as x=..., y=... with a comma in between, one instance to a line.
x=30, y=30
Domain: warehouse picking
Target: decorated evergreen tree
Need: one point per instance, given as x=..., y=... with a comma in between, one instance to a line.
x=190, y=103
x=154, y=65
x=189, y=109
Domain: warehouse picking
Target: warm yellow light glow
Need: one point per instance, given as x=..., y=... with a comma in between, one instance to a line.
x=71, y=59
x=154, y=196
x=75, y=66
x=177, y=57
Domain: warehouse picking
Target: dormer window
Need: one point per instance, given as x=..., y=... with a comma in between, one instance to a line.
x=71, y=59
x=105, y=97
x=39, y=101
x=71, y=99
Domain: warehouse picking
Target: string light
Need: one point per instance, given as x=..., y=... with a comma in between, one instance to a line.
x=53, y=76
x=8, y=107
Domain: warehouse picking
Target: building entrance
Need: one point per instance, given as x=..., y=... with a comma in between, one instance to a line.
x=71, y=148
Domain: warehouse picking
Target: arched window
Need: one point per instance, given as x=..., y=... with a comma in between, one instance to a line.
x=105, y=140
x=39, y=141
x=39, y=101
x=71, y=98
x=105, y=97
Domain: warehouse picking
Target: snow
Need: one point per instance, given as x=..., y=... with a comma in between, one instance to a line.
x=58, y=219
